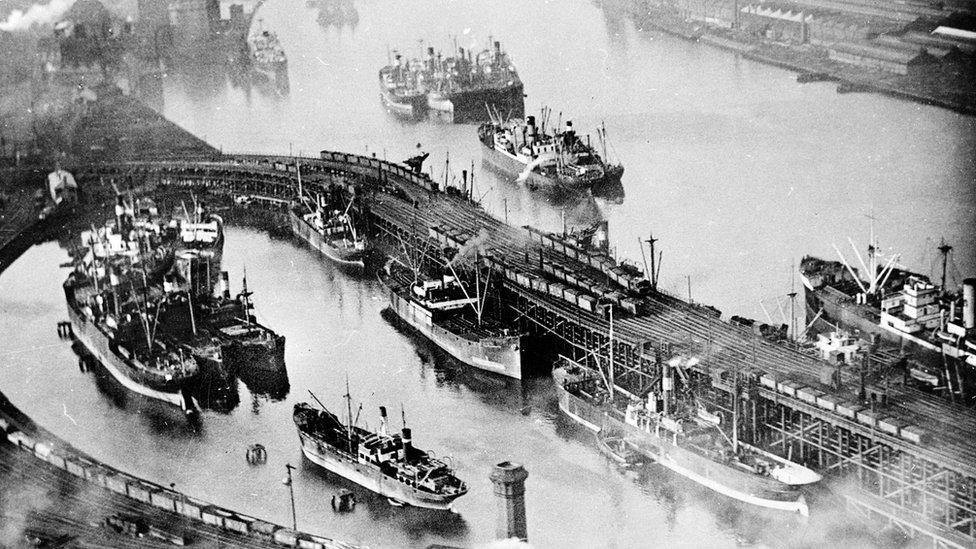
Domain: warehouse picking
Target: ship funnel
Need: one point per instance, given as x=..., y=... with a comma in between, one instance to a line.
x=407, y=442
x=969, y=303
x=383, y=430
x=498, y=46
x=225, y=284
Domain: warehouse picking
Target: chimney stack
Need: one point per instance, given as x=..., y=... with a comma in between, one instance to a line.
x=509, y=480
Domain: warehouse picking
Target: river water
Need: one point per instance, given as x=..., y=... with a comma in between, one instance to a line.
x=735, y=167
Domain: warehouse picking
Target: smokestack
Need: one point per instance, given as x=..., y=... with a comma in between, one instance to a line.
x=498, y=46
x=383, y=430
x=464, y=182
x=969, y=303
x=407, y=442
x=509, y=480
x=225, y=284
x=119, y=211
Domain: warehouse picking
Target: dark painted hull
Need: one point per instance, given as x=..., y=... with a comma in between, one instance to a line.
x=471, y=106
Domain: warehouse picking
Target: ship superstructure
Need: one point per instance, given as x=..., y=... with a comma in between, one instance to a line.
x=330, y=230
x=383, y=462
x=554, y=161
x=929, y=320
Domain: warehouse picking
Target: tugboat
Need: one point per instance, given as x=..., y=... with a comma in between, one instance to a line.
x=385, y=463
x=109, y=311
x=451, y=315
x=329, y=231
x=560, y=163
x=688, y=441
x=245, y=343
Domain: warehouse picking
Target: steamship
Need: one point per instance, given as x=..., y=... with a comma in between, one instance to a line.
x=109, y=311
x=557, y=162
x=446, y=313
x=465, y=88
x=901, y=307
x=686, y=442
x=385, y=463
x=331, y=232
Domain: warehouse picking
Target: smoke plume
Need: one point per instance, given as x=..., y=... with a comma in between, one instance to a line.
x=38, y=14
x=473, y=244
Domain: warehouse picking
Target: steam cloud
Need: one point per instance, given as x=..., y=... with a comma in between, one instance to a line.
x=473, y=244
x=38, y=14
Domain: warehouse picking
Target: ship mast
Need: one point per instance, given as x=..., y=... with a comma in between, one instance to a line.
x=944, y=249
x=349, y=411
x=610, y=353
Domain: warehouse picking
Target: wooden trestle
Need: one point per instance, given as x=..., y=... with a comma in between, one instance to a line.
x=904, y=456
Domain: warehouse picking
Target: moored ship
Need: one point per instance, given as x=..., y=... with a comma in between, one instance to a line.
x=268, y=62
x=402, y=89
x=927, y=319
x=463, y=88
x=555, y=162
x=331, y=232
x=387, y=464
x=687, y=442
x=108, y=307
x=446, y=313
x=246, y=344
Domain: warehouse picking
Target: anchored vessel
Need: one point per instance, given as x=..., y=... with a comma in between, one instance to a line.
x=464, y=88
x=108, y=307
x=557, y=162
x=331, y=232
x=268, y=61
x=385, y=463
x=690, y=444
x=448, y=314
x=896, y=305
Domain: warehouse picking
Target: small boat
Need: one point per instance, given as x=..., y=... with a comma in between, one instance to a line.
x=616, y=447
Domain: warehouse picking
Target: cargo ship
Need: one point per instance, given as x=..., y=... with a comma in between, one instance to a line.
x=109, y=312
x=449, y=315
x=463, y=88
x=907, y=309
x=687, y=440
x=467, y=88
x=387, y=464
x=268, y=62
x=402, y=89
x=331, y=232
x=558, y=163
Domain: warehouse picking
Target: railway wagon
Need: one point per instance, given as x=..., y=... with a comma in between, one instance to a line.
x=190, y=507
x=56, y=459
x=286, y=536
x=238, y=523
x=214, y=515
x=21, y=439
x=142, y=491
x=571, y=295
x=164, y=499
x=264, y=529
x=98, y=474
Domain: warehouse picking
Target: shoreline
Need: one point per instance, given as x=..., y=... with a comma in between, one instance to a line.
x=763, y=52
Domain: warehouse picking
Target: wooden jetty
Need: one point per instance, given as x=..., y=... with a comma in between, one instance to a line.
x=911, y=457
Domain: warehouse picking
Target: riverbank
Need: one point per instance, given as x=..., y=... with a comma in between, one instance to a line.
x=950, y=86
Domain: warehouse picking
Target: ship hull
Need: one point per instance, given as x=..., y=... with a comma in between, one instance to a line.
x=499, y=355
x=726, y=480
x=544, y=182
x=469, y=106
x=96, y=344
x=369, y=476
x=301, y=228
x=266, y=355
x=410, y=108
